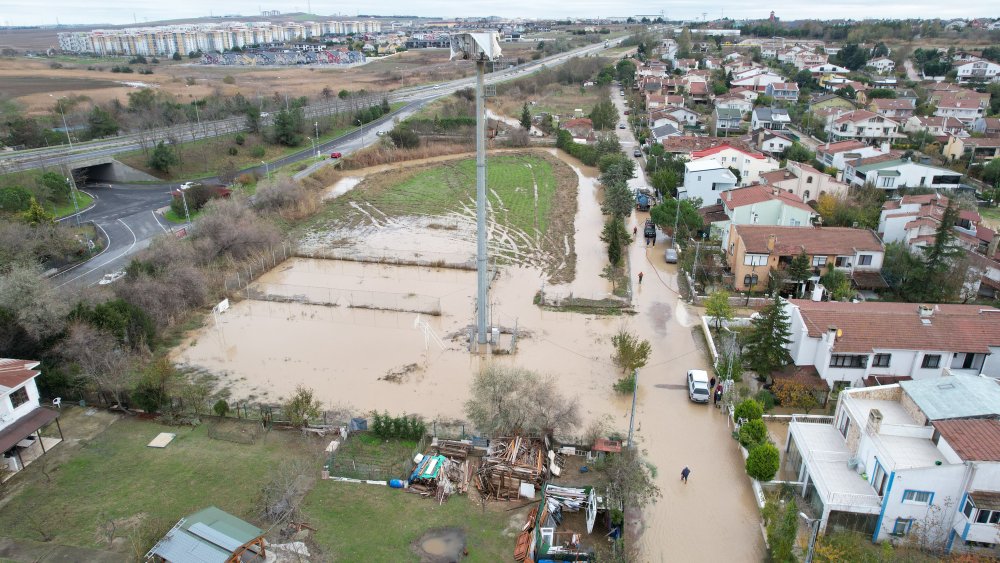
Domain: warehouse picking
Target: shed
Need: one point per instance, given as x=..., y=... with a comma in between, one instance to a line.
x=210, y=536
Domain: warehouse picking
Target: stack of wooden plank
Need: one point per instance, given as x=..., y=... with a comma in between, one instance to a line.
x=451, y=449
x=509, y=462
x=523, y=545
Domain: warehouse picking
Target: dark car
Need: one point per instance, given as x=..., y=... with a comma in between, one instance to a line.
x=335, y=155
x=649, y=230
x=637, y=153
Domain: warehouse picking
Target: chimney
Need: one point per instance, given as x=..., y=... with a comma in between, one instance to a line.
x=771, y=240
x=874, y=421
x=729, y=196
x=787, y=174
x=925, y=311
x=831, y=333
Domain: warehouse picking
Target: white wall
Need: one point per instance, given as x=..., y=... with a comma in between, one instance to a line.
x=991, y=367
x=8, y=414
x=935, y=520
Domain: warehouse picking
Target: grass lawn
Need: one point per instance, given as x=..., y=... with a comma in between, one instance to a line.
x=179, y=219
x=116, y=476
x=371, y=523
x=991, y=215
x=366, y=456
x=83, y=201
x=557, y=99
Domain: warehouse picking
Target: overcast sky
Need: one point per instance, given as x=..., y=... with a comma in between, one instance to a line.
x=46, y=12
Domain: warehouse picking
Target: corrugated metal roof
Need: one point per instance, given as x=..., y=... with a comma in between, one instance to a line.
x=956, y=396
x=210, y=535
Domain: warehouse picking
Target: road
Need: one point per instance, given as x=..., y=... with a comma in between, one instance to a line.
x=60, y=155
x=125, y=213
x=911, y=72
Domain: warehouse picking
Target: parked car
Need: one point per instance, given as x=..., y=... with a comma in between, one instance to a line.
x=112, y=277
x=637, y=153
x=188, y=185
x=335, y=155
x=697, y=381
x=621, y=125
x=670, y=256
x=626, y=112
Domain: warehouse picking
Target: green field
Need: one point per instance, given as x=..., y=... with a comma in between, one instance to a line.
x=116, y=476
x=83, y=201
x=371, y=523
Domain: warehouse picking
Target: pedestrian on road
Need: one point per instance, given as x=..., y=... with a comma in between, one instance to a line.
x=635, y=232
x=684, y=474
x=640, y=278
x=711, y=383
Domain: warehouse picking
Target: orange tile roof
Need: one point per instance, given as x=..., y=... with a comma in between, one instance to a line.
x=973, y=439
x=790, y=241
x=726, y=145
x=842, y=146
x=15, y=372
x=898, y=326
x=759, y=193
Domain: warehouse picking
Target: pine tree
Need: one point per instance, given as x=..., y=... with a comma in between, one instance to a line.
x=769, y=334
x=525, y=117
x=939, y=257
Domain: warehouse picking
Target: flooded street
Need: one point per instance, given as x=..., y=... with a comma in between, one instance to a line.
x=352, y=334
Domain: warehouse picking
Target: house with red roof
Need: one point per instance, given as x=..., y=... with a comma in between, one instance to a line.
x=894, y=108
x=760, y=205
x=914, y=220
x=898, y=455
x=965, y=105
x=783, y=91
x=748, y=162
x=982, y=149
x=804, y=182
x=754, y=251
x=22, y=418
x=862, y=125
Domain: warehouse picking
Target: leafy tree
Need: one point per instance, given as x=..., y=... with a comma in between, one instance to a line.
x=689, y=221
x=176, y=56
x=884, y=93
x=791, y=393
x=163, y=157
x=142, y=100
x=836, y=282
x=752, y=433
x=616, y=236
x=625, y=71
x=880, y=50
x=799, y=153
x=404, y=137
x=58, y=188
x=717, y=305
x=991, y=172
x=799, y=269
x=252, y=115
x=851, y=56
x=904, y=272
x=847, y=92
x=14, y=199
x=629, y=480
x=525, y=116
x=762, y=463
x=288, y=127
x=221, y=408
x=604, y=115
x=782, y=532
x=665, y=182
x=24, y=131
x=343, y=94
x=940, y=256
x=618, y=199
x=767, y=339
x=100, y=123
x=748, y=409
x=507, y=399
x=35, y=214
x=386, y=108
x=302, y=406
x=127, y=322
x=631, y=353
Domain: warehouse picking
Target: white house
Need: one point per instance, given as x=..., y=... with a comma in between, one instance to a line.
x=668, y=50
x=882, y=65
x=732, y=101
x=706, y=179
x=915, y=461
x=804, y=182
x=828, y=69
x=891, y=171
x=757, y=81
x=978, y=71
x=783, y=91
x=21, y=416
x=772, y=142
x=936, y=126
x=914, y=220
x=684, y=115
x=770, y=118
x=749, y=163
x=966, y=105
x=849, y=342
x=839, y=154
x=863, y=125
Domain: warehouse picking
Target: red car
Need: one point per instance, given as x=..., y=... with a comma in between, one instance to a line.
x=335, y=155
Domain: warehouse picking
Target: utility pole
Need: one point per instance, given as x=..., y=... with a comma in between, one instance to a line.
x=316, y=125
x=187, y=213
x=73, y=193
x=481, y=265
x=635, y=391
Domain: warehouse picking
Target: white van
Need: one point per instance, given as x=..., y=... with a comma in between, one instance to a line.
x=697, y=381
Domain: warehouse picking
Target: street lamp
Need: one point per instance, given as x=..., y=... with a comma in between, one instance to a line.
x=266, y=169
x=313, y=139
x=63, y=113
x=813, y=524
x=362, y=124
x=316, y=125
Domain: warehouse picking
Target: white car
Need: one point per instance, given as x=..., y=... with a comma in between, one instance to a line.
x=112, y=277
x=697, y=382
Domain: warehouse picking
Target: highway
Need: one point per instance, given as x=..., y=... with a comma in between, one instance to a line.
x=125, y=213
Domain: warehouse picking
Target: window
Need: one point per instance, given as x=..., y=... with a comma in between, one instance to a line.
x=19, y=396
x=931, y=361
x=805, y=194
x=699, y=178
x=902, y=526
x=843, y=262
x=845, y=425
x=848, y=361
x=882, y=360
x=988, y=516
x=794, y=223
x=809, y=180
x=917, y=497
x=969, y=508
x=755, y=260
x=865, y=260
x=887, y=181
x=819, y=260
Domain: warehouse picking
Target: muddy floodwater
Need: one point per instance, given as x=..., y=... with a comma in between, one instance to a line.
x=377, y=336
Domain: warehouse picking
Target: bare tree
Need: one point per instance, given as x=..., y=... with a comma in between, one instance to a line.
x=281, y=495
x=228, y=228
x=508, y=399
x=32, y=301
x=287, y=198
x=111, y=367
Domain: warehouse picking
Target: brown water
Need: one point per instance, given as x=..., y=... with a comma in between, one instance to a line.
x=344, y=353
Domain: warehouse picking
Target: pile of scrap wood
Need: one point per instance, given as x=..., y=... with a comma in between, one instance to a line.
x=509, y=462
x=451, y=449
x=525, y=538
x=439, y=477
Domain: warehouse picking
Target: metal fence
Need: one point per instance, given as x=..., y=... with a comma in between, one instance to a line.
x=339, y=297
x=244, y=273
x=343, y=463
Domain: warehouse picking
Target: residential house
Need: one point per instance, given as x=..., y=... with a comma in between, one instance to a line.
x=668, y=50
x=830, y=101
x=804, y=182
x=891, y=171
x=655, y=101
x=683, y=147
x=914, y=220
x=761, y=205
x=771, y=142
x=967, y=106
x=864, y=126
x=749, y=94
x=806, y=60
x=22, y=418
x=882, y=65
x=711, y=63
x=733, y=101
x=686, y=64
x=823, y=73
x=664, y=131
x=754, y=251
x=783, y=91
x=989, y=126
x=749, y=163
x=757, y=81
x=727, y=120
x=684, y=115
x=776, y=119
x=697, y=90
x=840, y=153
x=914, y=461
x=891, y=107
x=982, y=149
x=653, y=69
x=210, y=535
x=582, y=129
x=906, y=94
x=978, y=71
x=940, y=127
x=706, y=179
x=889, y=83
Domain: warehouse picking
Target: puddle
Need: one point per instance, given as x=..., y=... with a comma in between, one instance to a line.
x=341, y=187
x=444, y=545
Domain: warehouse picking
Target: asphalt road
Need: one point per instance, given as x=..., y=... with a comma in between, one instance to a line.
x=125, y=213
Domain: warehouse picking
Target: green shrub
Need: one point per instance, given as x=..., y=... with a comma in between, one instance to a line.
x=228, y=79
x=240, y=139
x=752, y=433
x=258, y=151
x=233, y=151
x=762, y=463
x=625, y=384
x=766, y=399
x=749, y=409
x=221, y=408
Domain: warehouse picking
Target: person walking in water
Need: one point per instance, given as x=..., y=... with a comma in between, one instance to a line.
x=635, y=232
x=640, y=278
x=684, y=474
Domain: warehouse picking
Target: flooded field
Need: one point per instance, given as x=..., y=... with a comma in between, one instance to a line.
x=350, y=331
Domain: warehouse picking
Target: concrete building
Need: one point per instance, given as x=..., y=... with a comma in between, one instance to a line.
x=22, y=418
x=864, y=126
x=776, y=119
x=978, y=71
x=840, y=153
x=706, y=179
x=761, y=205
x=892, y=171
x=749, y=163
x=804, y=182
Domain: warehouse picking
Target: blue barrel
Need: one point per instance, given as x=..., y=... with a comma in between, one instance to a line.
x=396, y=484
